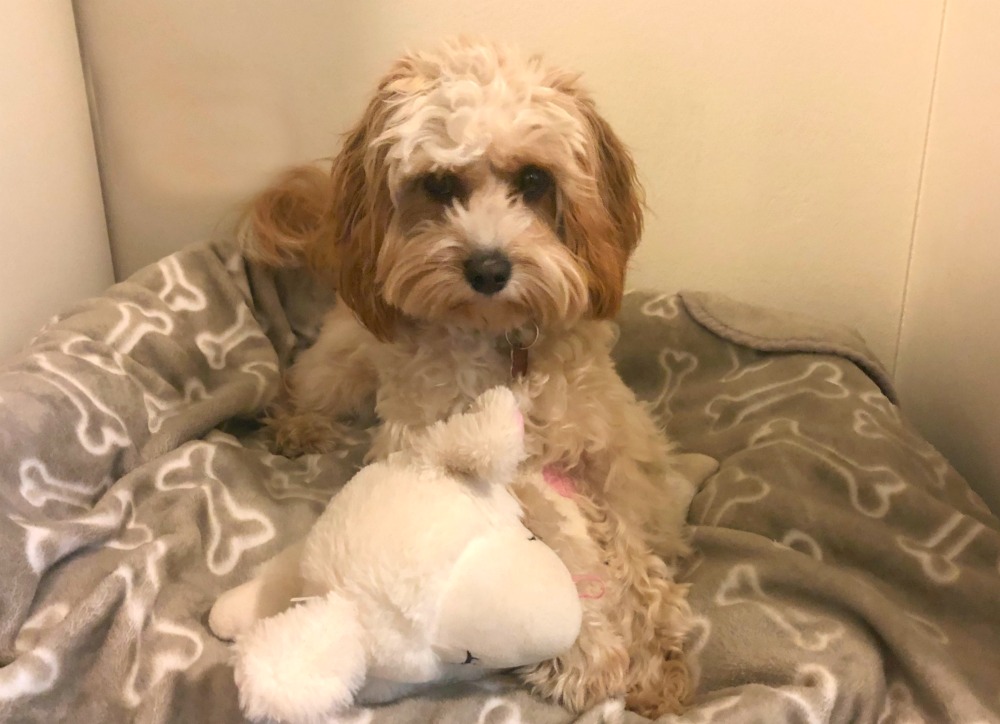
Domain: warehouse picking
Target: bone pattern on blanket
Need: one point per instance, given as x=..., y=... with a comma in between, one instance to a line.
x=843, y=571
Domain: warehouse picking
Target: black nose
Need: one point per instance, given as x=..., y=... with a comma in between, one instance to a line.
x=488, y=271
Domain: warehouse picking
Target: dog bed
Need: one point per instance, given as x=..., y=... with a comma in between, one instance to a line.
x=844, y=572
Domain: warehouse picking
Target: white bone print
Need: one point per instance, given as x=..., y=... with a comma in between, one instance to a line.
x=216, y=347
x=32, y=673
x=663, y=306
x=928, y=628
x=44, y=545
x=899, y=706
x=305, y=470
x=159, y=410
x=280, y=487
x=937, y=553
x=41, y=622
x=41, y=546
x=47, y=326
x=39, y=486
x=135, y=324
x=695, y=640
x=676, y=366
x=821, y=379
x=133, y=534
x=107, y=359
x=809, y=632
x=234, y=263
x=870, y=487
x=265, y=374
x=740, y=367
x=802, y=542
x=741, y=489
x=867, y=426
x=499, y=711
x=177, y=648
x=244, y=528
x=99, y=430
x=818, y=681
x=179, y=294
x=174, y=646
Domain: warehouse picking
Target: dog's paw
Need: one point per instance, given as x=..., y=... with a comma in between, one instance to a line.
x=303, y=433
x=593, y=671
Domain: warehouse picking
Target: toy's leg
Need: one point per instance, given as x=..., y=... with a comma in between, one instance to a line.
x=303, y=664
x=647, y=484
x=269, y=592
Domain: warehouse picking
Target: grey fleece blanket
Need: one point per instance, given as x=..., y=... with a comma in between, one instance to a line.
x=844, y=572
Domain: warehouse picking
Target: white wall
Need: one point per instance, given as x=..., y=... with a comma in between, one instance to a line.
x=55, y=241
x=949, y=353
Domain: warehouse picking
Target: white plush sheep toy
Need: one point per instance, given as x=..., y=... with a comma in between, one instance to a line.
x=418, y=571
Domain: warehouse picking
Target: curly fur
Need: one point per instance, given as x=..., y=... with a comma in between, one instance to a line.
x=631, y=639
x=410, y=329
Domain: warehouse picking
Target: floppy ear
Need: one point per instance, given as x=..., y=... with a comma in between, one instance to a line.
x=361, y=208
x=335, y=222
x=602, y=216
x=619, y=185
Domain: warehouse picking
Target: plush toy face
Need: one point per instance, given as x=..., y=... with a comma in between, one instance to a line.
x=509, y=602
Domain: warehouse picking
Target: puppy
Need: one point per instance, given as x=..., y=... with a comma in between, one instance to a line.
x=477, y=225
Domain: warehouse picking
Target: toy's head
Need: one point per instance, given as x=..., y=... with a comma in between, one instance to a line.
x=421, y=571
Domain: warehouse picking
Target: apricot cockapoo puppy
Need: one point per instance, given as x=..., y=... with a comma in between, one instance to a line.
x=476, y=226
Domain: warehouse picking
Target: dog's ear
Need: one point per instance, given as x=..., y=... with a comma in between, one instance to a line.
x=335, y=222
x=603, y=215
x=361, y=208
x=619, y=184
x=360, y=213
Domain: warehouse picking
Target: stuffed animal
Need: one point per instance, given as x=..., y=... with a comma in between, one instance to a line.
x=419, y=571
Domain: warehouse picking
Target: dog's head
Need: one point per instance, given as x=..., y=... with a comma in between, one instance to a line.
x=482, y=189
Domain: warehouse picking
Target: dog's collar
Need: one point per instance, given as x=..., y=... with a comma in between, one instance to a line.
x=520, y=340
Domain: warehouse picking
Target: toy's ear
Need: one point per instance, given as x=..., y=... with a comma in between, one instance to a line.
x=302, y=664
x=486, y=442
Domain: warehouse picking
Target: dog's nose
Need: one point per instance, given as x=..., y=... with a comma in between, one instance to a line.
x=488, y=271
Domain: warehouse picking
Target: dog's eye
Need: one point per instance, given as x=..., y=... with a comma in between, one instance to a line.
x=442, y=187
x=532, y=182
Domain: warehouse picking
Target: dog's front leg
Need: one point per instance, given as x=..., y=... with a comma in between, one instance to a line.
x=647, y=483
x=332, y=380
x=634, y=615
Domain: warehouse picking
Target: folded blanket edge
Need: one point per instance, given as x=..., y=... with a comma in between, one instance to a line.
x=771, y=330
